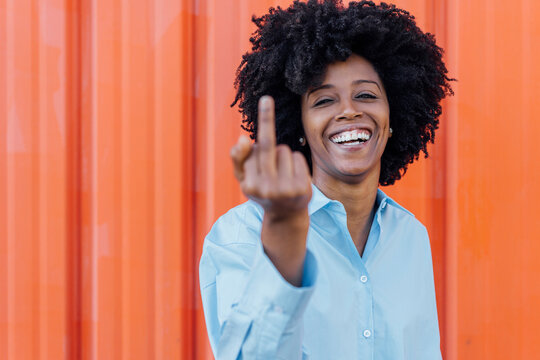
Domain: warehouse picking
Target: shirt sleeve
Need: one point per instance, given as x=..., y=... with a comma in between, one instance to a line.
x=425, y=344
x=250, y=310
x=433, y=321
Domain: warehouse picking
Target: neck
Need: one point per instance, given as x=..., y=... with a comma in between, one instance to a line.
x=358, y=199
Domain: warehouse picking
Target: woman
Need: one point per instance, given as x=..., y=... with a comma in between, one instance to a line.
x=319, y=263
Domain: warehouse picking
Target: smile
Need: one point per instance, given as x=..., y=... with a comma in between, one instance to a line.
x=351, y=137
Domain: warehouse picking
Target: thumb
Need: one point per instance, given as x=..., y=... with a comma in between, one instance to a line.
x=239, y=154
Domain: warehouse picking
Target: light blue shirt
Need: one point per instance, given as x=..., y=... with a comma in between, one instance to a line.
x=378, y=306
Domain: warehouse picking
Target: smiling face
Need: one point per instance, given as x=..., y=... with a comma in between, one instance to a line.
x=346, y=122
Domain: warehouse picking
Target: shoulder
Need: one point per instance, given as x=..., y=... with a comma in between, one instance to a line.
x=241, y=224
x=232, y=243
x=400, y=220
x=404, y=236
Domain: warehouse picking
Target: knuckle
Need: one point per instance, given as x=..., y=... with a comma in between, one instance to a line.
x=250, y=162
x=302, y=185
x=299, y=188
x=268, y=190
x=249, y=185
x=283, y=148
x=298, y=158
x=264, y=193
x=264, y=144
x=289, y=192
x=267, y=193
x=285, y=189
x=298, y=155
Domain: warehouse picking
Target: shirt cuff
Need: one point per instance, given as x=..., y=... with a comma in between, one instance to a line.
x=268, y=290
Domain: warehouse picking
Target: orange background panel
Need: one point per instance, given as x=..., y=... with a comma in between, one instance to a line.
x=115, y=128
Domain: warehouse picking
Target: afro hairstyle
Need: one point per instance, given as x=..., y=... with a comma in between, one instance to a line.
x=292, y=48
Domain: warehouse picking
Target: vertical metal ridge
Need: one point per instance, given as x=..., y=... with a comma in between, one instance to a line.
x=194, y=87
x=436, y=180
x=159, y=224
x=92, y=178
x=4, y=210
x=10, y=196
x=451, y=206
x=157, y=198
x=5, y=224
x=151, y=174
x=43, y=172
x=124, y=174
x=35, y=179
x=74, y=177
x=156, y=350
x=88, y=343
x=123, y=290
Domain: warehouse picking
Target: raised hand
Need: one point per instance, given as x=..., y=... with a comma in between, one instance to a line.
x=279, y=180
x=271, y=174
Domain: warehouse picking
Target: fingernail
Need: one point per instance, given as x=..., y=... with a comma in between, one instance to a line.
x=265, y=102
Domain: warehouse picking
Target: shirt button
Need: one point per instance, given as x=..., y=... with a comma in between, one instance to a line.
x=367, y=333
x=363, y=278
x=278, y=309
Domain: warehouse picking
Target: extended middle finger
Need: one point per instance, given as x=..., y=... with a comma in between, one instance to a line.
x=266, y=136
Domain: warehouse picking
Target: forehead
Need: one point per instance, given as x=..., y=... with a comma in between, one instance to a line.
x=354, y=68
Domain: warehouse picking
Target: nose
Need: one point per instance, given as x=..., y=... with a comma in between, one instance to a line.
x=349, y=112
x=349, y=115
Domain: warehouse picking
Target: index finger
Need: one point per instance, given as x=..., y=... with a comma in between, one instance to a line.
x=266, y=132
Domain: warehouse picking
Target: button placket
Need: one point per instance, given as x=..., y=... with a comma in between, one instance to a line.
x=365, y=327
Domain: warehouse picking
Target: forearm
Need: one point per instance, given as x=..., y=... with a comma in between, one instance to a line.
x=284, y=242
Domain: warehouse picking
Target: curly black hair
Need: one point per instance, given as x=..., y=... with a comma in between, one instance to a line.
x=292, y=48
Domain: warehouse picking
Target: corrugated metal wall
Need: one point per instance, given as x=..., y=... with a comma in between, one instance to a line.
x=114, y=134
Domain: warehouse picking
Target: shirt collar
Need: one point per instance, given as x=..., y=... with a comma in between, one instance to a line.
x=319, y=200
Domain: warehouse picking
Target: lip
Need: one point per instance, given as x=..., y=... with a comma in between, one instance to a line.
x=351, y=128
x=349, y=147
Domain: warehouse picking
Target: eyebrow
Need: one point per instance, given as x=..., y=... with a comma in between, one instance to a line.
x=329, y=86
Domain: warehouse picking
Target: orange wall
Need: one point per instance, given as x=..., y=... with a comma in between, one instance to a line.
x=115, y=127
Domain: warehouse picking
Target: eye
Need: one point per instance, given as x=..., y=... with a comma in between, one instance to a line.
x=322, y=102
x=365, y=95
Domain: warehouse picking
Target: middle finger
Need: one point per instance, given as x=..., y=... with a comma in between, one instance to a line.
x=266, y=136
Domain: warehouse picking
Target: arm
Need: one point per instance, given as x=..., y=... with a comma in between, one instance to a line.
x=279, y=181
x=263, y=319
x=251, y=311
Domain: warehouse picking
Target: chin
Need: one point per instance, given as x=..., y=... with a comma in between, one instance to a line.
x=352, y=170
x=355, y=173
x=351, y=174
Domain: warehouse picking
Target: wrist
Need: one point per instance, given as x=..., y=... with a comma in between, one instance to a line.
x=294, y=218
x=284, y=242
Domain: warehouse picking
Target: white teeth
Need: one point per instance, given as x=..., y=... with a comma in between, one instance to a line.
x=350, y=136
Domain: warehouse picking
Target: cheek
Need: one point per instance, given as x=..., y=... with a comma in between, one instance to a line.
x=385, y=114
x=314, y=136
x=311, y=128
